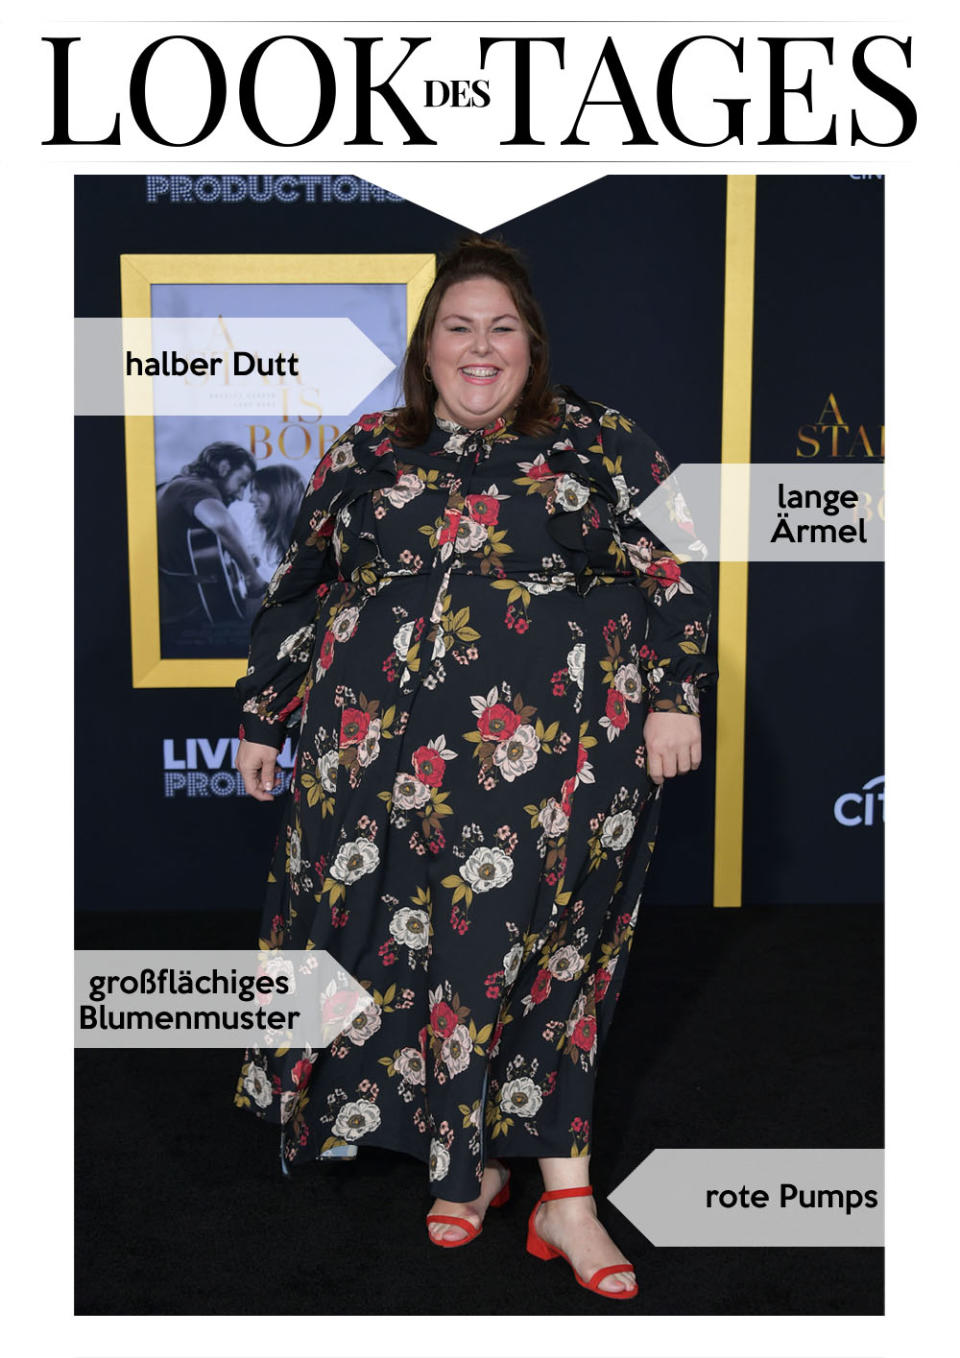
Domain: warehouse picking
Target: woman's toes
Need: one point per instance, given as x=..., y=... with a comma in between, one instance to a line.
x=618, y=1282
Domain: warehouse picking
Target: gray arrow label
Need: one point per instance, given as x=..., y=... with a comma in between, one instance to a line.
x=756, y=1197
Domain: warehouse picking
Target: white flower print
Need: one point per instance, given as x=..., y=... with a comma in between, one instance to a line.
x=327, y=770
x=298, y=645
x=471, y=535
x=364, y=1024
x=288, y=1101
x=627, y=681
x=257, y=1085
x=575, y=659
x=553, y=819
x=511, y=963
x=405, y=489
x=409, y=792
x=439, y=1161
x=369, y=747
x=520, y=1098
x=401, y=642
x=345, y=624
x=487, y=868
x=565, y=964
x=296, y=862
x=457, y=1049
x=357, y=1118
x=571, y=493
x=354, y=860
x=518, y=753
x=341, y=457
x=454, y=444
x=408, y=1063
x=623, y=493
x=617, y=830
x=411, y=927
x=690, y=695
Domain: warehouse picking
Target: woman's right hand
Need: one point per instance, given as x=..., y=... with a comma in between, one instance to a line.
x=258, y=765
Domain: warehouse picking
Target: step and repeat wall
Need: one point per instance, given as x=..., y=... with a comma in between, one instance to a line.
x=630, y=271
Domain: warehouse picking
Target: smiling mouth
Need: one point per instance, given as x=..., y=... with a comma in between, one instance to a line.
x=480, y=374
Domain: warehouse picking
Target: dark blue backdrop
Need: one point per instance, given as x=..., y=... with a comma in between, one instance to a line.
x=630, y=274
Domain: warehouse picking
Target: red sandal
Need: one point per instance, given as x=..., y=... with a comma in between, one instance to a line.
x=503, y=1196
x=541, y=1250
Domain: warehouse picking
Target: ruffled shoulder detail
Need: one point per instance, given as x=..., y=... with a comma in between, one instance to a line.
x=585, y=497
x=372, y=467
x=367, y=454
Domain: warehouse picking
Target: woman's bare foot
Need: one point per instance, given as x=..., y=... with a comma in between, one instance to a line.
x=571, y=1225
x=495, y=1175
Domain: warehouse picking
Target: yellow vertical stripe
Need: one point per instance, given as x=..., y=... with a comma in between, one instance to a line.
x=732, y=601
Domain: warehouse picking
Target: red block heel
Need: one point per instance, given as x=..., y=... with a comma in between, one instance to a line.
x=502, y=1197
x=539, y=1248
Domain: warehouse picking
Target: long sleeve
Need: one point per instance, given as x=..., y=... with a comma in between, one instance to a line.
x=680, y=596
x=283, y=631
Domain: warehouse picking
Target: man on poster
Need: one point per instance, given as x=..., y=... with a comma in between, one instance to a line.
x=206, y=572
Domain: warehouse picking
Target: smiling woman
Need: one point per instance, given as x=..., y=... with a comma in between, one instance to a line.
x=478, y=356
x=494, y=666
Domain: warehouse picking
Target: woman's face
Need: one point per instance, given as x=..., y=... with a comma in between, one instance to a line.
x=260, y=499
x=479, y=352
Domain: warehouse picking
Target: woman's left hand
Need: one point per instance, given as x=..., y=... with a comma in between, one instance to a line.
x=673, y=744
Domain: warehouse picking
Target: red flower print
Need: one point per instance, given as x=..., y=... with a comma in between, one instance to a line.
x=483, y=508
x=581, y=756
x=448, y=533
x=291, y=706
x=541, y=986
x=326, y=651
x=601, y=983
x=443, y=1019
x=584, y=1034
x=428, y=766
x=566, y=795
x=301, y=1073
x=353, y=726
x=665, y=569
x=320, y=475
x=540, y=471
x=371, y=421
x=617, y=709
x=497, y=722
x=382, y=447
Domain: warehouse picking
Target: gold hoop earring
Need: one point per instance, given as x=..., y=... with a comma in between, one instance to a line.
x=427, y=375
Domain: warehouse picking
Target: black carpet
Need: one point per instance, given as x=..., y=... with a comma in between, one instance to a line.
x=753, y=1027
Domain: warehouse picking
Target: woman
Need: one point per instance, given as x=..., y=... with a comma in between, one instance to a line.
x=494, y=669
x=276, y=494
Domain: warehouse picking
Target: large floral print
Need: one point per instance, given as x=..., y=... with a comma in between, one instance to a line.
x=465, y=638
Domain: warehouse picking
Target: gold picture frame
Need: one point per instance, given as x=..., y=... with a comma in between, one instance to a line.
x=138, y=273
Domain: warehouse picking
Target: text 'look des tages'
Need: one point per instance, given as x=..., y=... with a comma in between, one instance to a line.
x=373, y=76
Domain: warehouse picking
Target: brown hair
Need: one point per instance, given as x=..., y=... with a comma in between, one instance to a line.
x=478, y=257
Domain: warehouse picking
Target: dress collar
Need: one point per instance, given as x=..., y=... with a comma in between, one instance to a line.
x=488, y=432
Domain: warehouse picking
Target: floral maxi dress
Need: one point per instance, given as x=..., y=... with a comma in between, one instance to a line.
x=470, y=634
